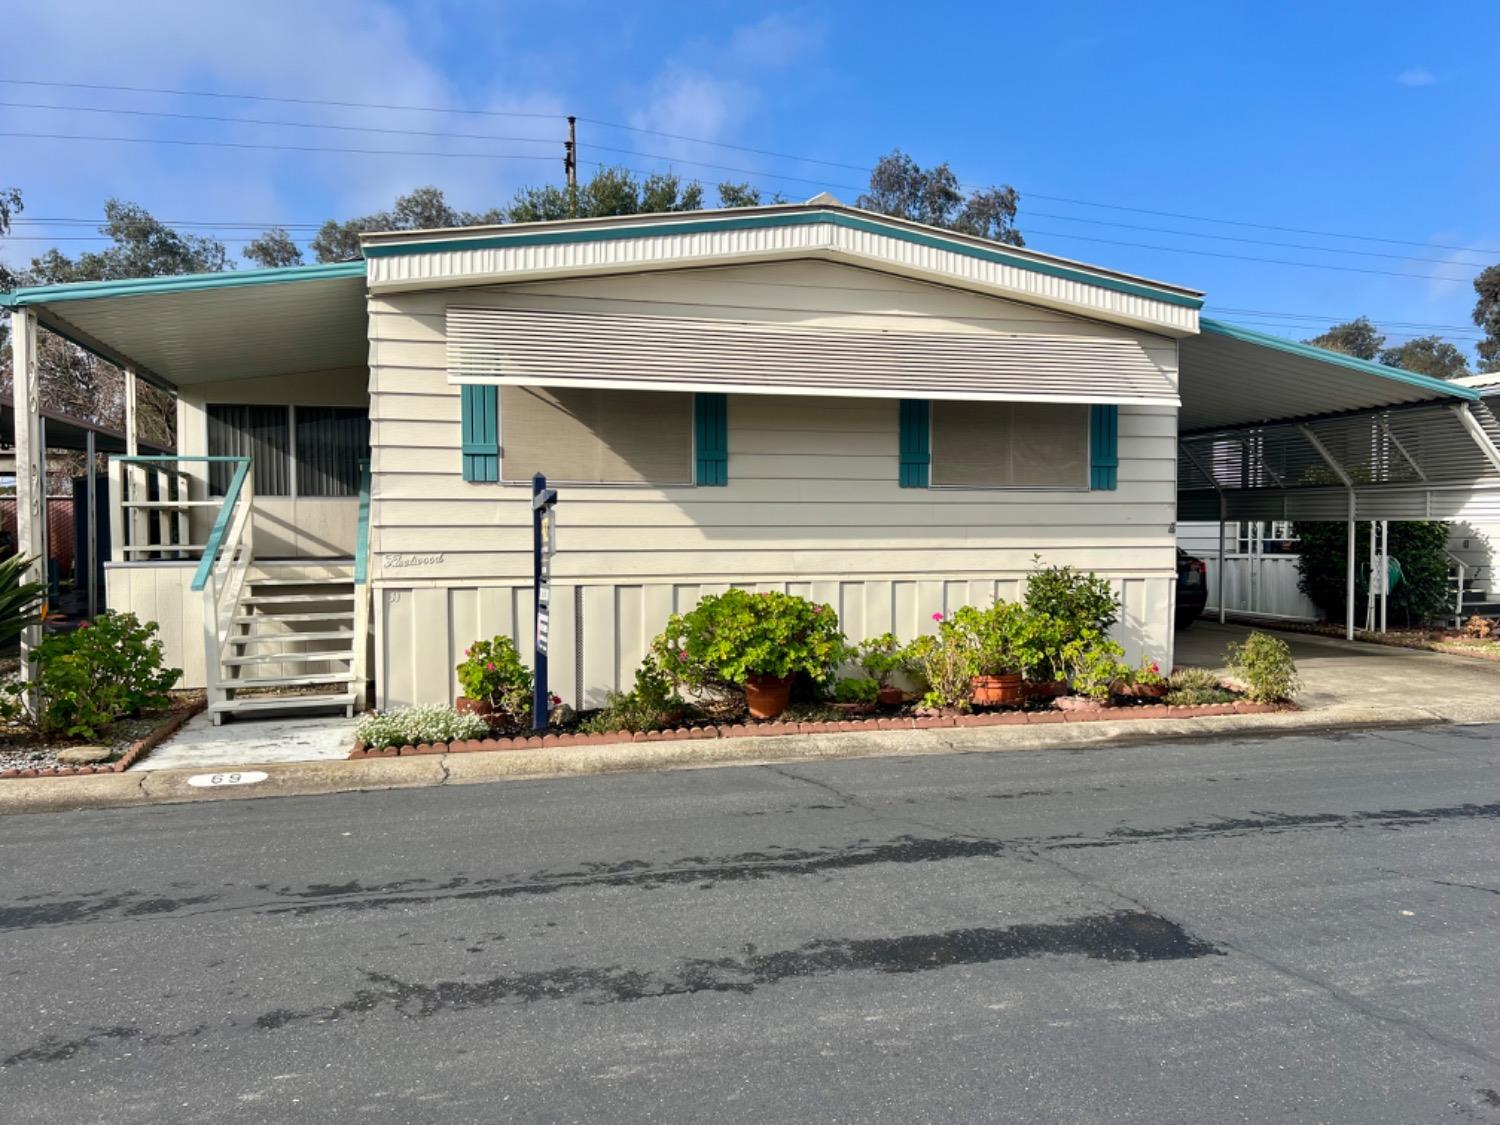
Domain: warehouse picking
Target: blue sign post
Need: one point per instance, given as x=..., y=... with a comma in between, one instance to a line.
x=543, y=547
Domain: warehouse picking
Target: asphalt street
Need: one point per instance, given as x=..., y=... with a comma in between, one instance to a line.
x=1288, y=930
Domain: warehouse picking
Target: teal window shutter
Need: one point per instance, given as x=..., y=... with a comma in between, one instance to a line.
x=1104, y=446
x=711, y=439
x=916, y=442
x=481, y=432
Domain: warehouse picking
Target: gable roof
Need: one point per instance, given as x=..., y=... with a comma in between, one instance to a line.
x=408, y=260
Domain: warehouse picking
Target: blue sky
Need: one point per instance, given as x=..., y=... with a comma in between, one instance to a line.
x=1366, y=119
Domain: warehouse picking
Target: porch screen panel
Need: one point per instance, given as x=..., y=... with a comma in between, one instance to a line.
x=262, y=433
x=596, y=436
x=331, y=440
x=1010, y=444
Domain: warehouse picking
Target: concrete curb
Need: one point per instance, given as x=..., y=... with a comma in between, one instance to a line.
x=58, y=794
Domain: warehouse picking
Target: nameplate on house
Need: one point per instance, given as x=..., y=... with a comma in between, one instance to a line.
x=406, y=562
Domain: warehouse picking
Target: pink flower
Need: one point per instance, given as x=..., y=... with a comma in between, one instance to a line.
x=490, y=667
x=817, y=609
x=937, y=616
x=682, y=654
x=83, y=624
x=467, y=651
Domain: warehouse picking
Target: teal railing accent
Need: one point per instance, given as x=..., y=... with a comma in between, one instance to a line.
x=362, y=532
x=221, y=522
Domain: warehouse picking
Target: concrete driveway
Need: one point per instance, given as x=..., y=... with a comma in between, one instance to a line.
x=1355, y=676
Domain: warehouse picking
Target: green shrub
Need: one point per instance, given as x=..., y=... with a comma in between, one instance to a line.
x=1082, y=604
x=1192, y=687
x=650, y=705
x=944, y=665
x=104, y=670
x=428, y=722
x=1094, y=666
x=492, y=673
x=854, y=689
x=727, y=638
x=20, y=600
x=1420, y=546
x=881, y=658
x=1265, y=664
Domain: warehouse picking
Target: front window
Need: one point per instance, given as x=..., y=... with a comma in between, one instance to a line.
x=307, y=451
x=1010, y=445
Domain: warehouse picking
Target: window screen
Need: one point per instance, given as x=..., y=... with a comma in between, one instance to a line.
x=1010, y=444
x=608, y=436
x=259, y=432
x=331, y=441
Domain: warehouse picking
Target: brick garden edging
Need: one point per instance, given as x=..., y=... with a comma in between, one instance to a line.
x=842, y=726
x=134, y=753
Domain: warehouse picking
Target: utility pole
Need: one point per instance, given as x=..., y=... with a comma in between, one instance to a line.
x=570, y=152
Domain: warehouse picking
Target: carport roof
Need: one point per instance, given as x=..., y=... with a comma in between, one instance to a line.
x=1234, y=377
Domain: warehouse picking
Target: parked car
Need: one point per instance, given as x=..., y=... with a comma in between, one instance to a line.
x=1192, y=588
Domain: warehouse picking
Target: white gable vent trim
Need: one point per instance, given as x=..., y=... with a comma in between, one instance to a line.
x=529, y=347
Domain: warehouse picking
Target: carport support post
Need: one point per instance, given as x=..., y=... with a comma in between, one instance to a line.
x=1223, y=511
x=31, y=474
x=91, y=513
x=135, y=475
x=1338, y=471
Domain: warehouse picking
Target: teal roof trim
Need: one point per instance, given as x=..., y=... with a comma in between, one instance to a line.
x=801, y=218
x=1367, y=367
x=180, y=283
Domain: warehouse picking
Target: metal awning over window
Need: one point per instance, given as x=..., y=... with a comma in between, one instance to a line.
x=528, y=347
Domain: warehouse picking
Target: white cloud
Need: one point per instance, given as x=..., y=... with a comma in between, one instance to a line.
x=1416, y=76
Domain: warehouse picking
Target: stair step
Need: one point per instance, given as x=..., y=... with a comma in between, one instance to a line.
x=287, y=599
x=288, y=658
x=288, y=681
x=258, y=638
x=284, y=703
x=319, y=581
x=335, y=615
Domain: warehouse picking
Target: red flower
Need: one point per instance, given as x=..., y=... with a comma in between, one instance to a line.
x=83, y=624
x=937, y=616
x=490, y=667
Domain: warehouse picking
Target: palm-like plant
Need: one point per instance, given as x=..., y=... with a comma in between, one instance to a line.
x=20, y=600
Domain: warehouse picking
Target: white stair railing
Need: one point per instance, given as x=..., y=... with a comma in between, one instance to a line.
x=226, y=561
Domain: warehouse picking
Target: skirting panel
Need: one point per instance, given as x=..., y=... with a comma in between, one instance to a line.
x=600, y=633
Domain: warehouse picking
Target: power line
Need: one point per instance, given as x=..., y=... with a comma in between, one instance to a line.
x=387, y=131
x=723, y=144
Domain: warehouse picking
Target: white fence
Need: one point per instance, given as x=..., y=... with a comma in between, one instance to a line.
x=1264, y=585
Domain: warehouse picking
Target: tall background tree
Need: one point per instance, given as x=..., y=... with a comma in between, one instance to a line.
x=1357, y=337
x=1427, y=355
x=1487, y=316
x=900, y=187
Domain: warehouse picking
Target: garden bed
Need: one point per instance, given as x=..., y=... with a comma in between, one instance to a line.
x=772, y=728
x=127, y=742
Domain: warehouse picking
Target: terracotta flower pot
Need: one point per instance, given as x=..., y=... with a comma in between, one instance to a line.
x=1149, y=691
x=481, y=707
x=767, y=696
x=891, y=697
x=1007, y=690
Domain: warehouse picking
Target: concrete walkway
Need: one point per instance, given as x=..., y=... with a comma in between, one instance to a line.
x=1353, y=676
x=201, y=745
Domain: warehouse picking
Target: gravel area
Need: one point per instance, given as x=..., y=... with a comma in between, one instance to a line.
x=19, y=750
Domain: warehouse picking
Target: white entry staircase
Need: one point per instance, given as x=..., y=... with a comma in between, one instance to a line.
x=293, y=642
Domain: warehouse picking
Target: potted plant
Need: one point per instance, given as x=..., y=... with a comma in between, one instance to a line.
x=881, y=658
x=1147, y=682
x=1004, y=642
x=738, y=645
x=496, y=684
x=855, y=695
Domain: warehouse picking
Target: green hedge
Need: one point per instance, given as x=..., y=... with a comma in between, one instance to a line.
x=1419, y=546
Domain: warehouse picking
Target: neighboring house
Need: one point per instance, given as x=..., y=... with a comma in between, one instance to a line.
x=888, y=418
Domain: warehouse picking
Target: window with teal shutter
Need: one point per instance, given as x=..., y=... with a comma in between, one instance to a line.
x=916, y=442
x=1104, y=446
x=481, y=432
x=711, y=439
